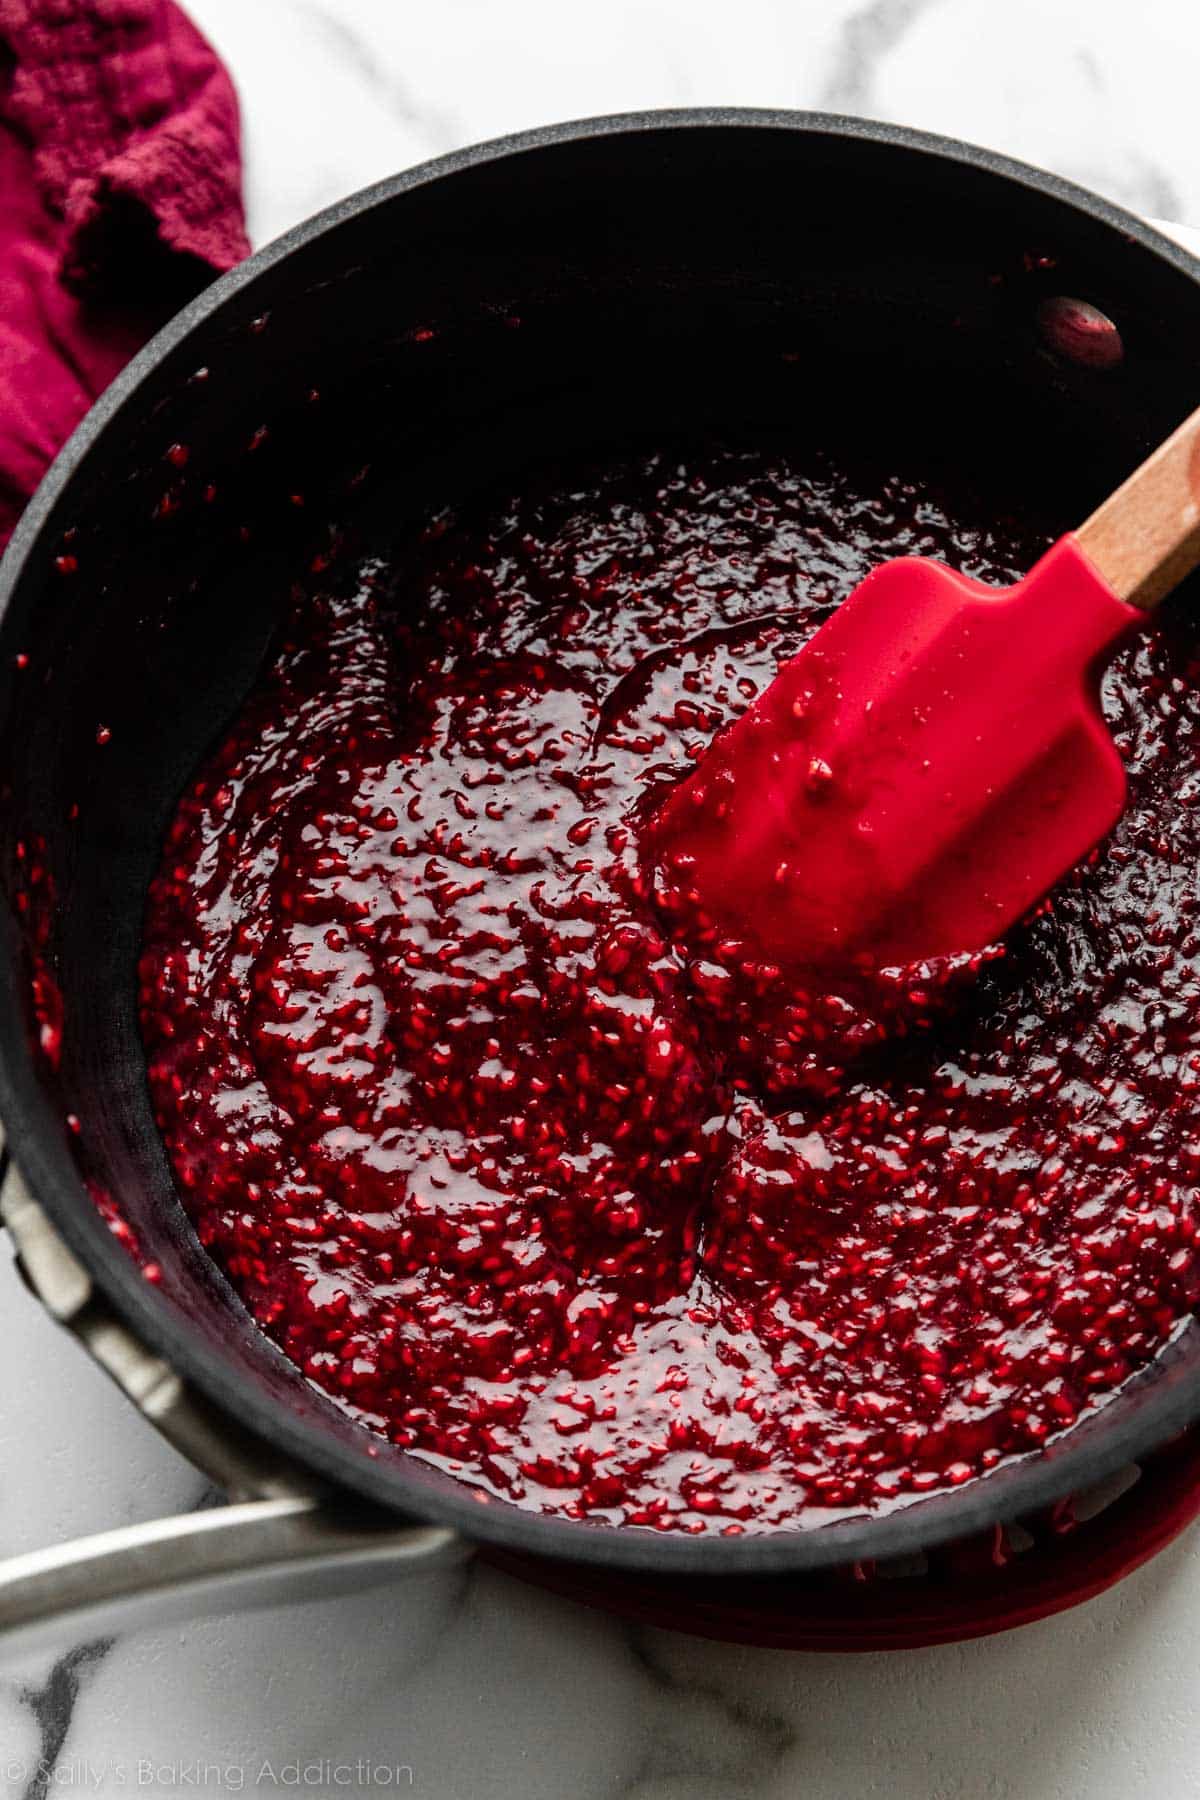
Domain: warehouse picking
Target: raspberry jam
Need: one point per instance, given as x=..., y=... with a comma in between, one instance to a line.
x=612, y=1222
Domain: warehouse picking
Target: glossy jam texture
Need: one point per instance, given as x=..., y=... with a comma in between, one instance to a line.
x=603, y=1219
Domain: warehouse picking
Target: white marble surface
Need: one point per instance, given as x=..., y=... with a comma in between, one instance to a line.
x=466, y=1685
x=337, y=93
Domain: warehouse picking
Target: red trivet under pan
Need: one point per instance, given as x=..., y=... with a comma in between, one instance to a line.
x=1008, y=1576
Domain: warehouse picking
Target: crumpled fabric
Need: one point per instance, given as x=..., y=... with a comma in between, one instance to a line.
x=120, y=198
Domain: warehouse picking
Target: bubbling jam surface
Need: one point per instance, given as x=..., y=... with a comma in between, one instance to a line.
x=610, y=1219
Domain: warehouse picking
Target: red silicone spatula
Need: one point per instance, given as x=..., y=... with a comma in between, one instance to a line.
x=934, y=759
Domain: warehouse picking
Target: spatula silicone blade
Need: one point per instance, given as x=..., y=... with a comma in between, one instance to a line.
x=934, y=759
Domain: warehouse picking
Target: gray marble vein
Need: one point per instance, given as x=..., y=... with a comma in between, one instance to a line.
x=708, y=1743
x=356, y=48
x=865, y=38
x=52, y=1705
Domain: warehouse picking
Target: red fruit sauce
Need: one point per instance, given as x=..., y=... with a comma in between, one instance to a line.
x=610, y=1221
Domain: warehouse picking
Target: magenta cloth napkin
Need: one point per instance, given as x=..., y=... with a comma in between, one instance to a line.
x=120, y=197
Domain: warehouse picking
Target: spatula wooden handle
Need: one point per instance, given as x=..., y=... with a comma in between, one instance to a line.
x=1146, y=537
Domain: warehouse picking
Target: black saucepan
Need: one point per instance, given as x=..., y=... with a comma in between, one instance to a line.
x=727, y=270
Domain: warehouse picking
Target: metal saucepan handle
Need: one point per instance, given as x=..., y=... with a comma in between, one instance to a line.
x=252, y=1554
x=281, y=1539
